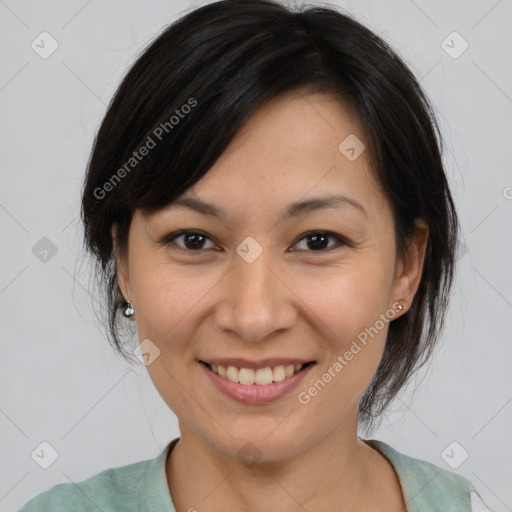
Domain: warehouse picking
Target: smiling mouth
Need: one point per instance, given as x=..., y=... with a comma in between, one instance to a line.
x=260, y=376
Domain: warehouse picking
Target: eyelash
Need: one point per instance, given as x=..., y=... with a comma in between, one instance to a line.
x=167, y=240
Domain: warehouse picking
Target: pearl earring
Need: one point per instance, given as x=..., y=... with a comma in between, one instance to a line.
x=129, y=310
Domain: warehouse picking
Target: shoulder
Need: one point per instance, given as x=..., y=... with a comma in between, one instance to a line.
x=429, y=487
x=111, y=490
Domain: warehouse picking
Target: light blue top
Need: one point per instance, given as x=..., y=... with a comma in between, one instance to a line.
x=142, y=487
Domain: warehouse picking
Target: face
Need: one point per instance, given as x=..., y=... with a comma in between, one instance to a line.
x=261, y=285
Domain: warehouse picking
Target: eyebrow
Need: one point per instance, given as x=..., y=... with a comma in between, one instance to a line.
x=293, y=210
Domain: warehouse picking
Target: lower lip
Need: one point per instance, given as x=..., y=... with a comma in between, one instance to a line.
x=253, y=393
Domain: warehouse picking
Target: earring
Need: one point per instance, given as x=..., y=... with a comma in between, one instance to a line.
x=129, y=310
x=400, y=307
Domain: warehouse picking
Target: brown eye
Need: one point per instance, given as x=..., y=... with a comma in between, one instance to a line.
x=193, y=241
x=317, y=241
x=196, y=241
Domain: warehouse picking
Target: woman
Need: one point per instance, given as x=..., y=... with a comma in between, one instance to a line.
x=266, y=200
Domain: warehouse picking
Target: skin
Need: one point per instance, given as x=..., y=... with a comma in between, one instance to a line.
x=291, y=301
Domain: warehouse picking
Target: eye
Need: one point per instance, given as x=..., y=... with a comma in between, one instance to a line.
x=195, y=241
x=192, y=240
x=317, y=240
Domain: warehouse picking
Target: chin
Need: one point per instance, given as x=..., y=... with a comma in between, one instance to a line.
x=255, y=442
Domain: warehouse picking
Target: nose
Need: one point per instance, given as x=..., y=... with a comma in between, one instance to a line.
x=256, y=300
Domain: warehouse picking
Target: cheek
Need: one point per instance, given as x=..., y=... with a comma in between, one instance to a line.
x=351, y=310
x=168, y=311
x=348, y=299
x=167, y=297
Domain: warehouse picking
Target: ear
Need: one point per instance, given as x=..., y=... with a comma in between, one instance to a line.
x=123, y=277
x=410, y=266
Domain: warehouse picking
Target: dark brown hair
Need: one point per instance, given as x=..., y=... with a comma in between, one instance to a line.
x=198, y=82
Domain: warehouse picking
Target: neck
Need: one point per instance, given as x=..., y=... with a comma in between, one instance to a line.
x=335, y=473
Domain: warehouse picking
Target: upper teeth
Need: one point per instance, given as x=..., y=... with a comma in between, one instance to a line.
x=261, y=376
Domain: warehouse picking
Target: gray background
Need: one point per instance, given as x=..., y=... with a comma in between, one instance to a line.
x=60, y=381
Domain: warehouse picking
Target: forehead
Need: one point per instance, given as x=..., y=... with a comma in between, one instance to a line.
x=299, y=119
x=293, y=147
x=291, y=151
